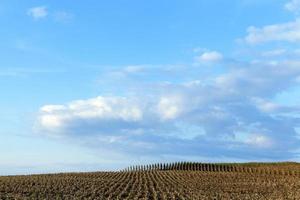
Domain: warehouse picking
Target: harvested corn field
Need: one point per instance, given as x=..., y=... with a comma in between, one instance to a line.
x=162, y=181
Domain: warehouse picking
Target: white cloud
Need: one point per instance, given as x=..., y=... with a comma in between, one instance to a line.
x=210, y=56
x=260, y=141
x=51, y=121
x=41, y=12
x=170, y=107
x=265, y=106
x=52, y=108
x=238, y=100
x=134, y=69
x=38, y=12
x=99, y=108
x=293, y=6
x=287, y=32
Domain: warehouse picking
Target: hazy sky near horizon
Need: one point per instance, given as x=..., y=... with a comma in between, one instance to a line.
x=100, y=85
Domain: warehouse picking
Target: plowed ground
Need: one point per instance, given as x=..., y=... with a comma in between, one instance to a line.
x=152, y=185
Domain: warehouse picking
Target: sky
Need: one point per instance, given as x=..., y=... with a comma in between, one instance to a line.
x=101, y=85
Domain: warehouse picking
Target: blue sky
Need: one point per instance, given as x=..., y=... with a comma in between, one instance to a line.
x=100, y=85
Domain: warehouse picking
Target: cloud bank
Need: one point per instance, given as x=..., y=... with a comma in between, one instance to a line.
x=188, y=110
x=233, y=114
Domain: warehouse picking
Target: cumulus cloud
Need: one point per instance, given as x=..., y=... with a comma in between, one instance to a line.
x=287, y=32
x=210, y=56
x=105, y=109
x=38, y=12
x=170, y=107
x=233, y=113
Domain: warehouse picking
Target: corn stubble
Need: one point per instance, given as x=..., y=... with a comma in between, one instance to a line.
x=163, y=181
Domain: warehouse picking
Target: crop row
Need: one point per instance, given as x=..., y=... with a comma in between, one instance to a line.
x=155, y=184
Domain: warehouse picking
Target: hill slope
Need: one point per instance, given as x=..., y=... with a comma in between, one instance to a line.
x=255, y=181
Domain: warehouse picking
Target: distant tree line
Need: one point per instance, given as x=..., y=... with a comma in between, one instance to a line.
x=210, y=167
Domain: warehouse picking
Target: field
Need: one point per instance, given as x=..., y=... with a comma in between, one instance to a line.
x=163, y=181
